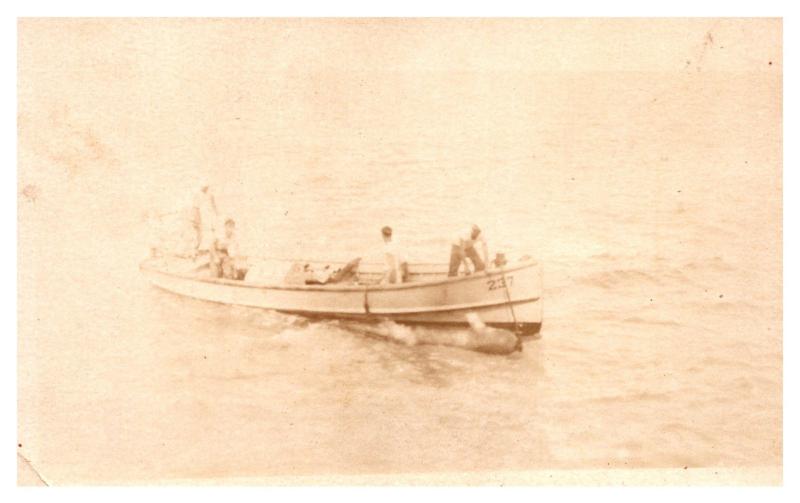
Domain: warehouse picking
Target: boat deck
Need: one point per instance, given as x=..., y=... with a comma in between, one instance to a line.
x=273, y=272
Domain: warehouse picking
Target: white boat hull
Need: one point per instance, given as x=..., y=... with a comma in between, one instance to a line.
x=508, y=298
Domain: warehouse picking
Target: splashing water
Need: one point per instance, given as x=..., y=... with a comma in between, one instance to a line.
x=483, y=340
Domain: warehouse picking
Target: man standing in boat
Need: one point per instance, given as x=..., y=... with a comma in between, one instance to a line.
x=463, y=248
x=204, y=216
x=396, y=267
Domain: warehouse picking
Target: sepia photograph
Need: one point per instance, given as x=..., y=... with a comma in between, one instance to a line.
x=399, y=251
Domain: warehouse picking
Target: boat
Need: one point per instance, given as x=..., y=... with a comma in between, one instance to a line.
x=507, y=297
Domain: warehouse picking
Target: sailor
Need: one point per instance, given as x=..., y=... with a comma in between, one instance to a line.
x=204, y=216
x=463, y=248
x=396, y=270
x=226, y=259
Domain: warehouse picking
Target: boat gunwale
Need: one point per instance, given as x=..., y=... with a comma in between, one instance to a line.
x=374, y=315
x=342, y=288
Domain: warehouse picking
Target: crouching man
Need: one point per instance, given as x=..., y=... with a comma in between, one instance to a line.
x=226, y=260
x=463, y=248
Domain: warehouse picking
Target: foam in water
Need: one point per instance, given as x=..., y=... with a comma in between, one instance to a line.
x=400, y=333
x=478, y=337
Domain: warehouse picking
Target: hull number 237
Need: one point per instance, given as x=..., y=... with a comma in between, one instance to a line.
x=497, y=283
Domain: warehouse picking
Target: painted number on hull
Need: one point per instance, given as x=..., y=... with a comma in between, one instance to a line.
x=495, y=284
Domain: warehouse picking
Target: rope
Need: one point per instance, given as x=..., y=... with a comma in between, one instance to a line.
x=508, y=297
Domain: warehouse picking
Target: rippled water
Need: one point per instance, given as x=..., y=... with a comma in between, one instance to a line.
x=659, y=231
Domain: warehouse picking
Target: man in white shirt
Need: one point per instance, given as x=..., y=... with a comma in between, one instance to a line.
x=464, y=248
x=204, y=216
x=396, y=267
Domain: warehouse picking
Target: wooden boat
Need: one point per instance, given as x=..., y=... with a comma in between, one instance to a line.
x=507, y=297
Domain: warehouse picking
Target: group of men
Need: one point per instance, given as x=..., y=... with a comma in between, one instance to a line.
x=225, y=260
x=463, y=251
x=222, y=249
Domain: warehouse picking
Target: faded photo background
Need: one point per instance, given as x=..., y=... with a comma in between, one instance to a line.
x=638, y=160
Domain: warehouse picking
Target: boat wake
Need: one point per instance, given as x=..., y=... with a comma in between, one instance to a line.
x=476, y=338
